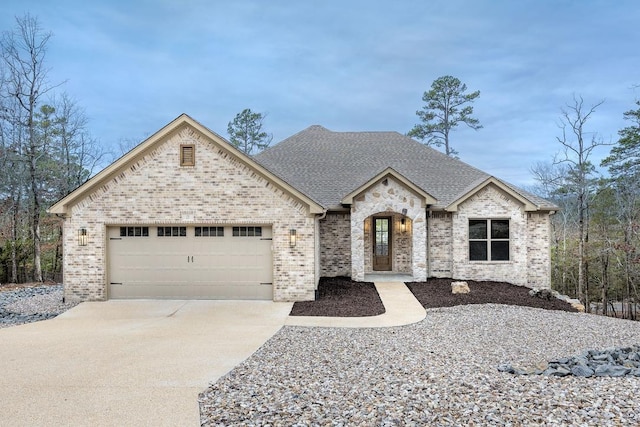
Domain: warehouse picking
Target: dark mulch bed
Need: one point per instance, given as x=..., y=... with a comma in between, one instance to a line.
x=341, y=297
x=437, y=293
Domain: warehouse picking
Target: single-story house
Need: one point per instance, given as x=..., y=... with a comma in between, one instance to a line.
x=186, y=215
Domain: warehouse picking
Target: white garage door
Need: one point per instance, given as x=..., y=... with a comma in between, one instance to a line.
x=190, y=262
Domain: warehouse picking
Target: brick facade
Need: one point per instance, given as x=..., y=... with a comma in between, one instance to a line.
x=529, y=261
x=219, y=189
x=447, y=238
x=539, y=250
x=335, y=245
x=223, y=189
x=440, y=247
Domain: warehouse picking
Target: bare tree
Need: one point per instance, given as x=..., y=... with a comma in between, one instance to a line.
x=75, y=153
x=552, y=185
x=624, y=167
x=577, y=146
x=23, y=57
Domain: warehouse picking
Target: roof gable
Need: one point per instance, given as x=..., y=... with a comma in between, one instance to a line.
x=63, y=205
x=528, y=204
x=388, y=172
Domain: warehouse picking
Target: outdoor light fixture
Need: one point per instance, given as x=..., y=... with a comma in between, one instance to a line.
x=403, y=225
x=83, y=238
x=292, y=238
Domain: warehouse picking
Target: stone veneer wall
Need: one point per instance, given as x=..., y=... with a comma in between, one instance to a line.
x=492, y=203
x=386, y=200
x=401, y=244
x=335, y=245
x=219, y=189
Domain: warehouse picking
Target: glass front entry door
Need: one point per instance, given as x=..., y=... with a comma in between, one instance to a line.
x=382, y=244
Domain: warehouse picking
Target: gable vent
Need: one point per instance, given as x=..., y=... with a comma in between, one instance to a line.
x=187, y=155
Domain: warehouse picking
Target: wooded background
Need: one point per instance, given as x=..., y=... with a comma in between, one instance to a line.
x=46, y=151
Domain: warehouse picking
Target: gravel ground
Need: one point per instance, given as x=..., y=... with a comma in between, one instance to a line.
x=31, y=304
x=441, y=371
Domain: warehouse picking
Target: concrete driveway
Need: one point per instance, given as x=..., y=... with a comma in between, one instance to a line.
x=127, y=363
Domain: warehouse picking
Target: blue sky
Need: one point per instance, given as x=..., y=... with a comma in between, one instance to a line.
x=347, y=65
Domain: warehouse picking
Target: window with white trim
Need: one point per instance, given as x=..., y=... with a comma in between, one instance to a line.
x=489, y=240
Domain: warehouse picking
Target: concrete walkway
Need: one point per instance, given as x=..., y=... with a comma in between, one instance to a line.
x=402, y=308
x=127, y=363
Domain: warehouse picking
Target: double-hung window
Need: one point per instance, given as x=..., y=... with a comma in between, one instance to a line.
x=489, y=240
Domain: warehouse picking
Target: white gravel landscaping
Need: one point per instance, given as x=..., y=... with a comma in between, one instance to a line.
x=440, y=371
x=31, y=304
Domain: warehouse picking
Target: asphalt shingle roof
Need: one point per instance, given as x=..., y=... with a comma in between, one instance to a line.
x=328, y=165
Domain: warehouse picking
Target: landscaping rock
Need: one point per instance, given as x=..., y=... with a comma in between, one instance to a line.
x=547, y=294
x=31, y=304
x=612, y=362
x=460, y=288
x=437, y=372
x=576, y=304
x=582, y=371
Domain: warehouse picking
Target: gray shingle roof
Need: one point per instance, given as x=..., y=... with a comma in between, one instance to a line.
x=328, y=165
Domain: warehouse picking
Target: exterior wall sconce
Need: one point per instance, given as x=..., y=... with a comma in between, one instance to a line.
x=293, y=237
x=83, y=237
x=403, y=225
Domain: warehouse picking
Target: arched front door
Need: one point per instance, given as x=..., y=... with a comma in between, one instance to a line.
x=382, y=250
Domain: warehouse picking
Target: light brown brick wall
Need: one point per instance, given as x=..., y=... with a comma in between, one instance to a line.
x=525, y=246
x=440, y=249
x=539, y=250
x=219, y=189
x=335, y=245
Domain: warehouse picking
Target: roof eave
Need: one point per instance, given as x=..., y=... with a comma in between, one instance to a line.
x=62, y=206
x=529, y=206
x=427, y=199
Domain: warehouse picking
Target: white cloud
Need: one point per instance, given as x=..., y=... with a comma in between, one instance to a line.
x=347, y=65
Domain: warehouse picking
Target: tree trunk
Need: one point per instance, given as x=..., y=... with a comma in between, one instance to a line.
x=35, y=224
x=605, y=283
x=14, y=242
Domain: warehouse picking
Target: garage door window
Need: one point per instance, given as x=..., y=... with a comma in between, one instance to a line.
x=172, y=231
x=134, y=231
x=247, y=231
x=209, y=231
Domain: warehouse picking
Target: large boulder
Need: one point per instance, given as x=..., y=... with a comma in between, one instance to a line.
x=460, y=288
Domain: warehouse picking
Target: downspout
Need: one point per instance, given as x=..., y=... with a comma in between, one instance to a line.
x=317, y=250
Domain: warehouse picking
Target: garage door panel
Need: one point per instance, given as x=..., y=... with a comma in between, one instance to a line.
x=190, y=267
